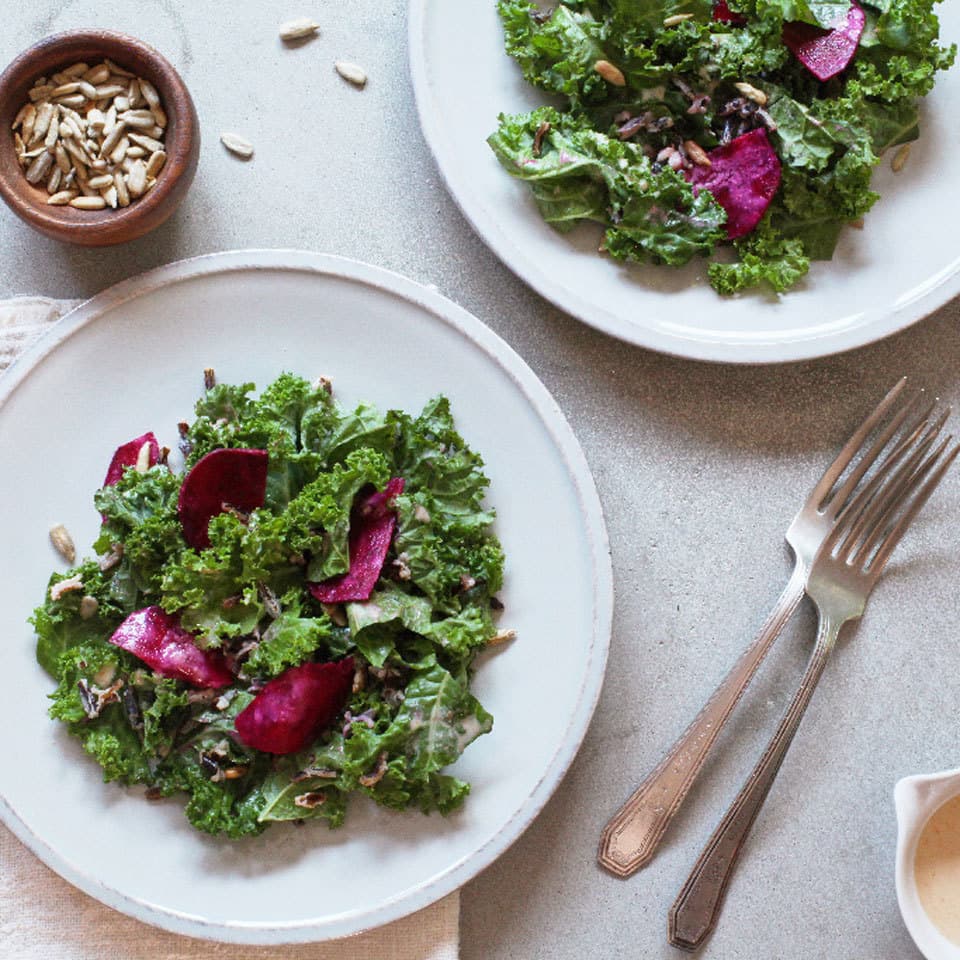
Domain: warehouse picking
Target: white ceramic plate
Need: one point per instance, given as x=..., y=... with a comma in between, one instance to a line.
x=130, y=360
x=902, y=266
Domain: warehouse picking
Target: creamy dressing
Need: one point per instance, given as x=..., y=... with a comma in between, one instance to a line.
x=936, y=868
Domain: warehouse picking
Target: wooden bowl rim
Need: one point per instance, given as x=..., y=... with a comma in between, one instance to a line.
x=181, y=141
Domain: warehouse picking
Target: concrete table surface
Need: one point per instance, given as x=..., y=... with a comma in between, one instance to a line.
x=700, y=469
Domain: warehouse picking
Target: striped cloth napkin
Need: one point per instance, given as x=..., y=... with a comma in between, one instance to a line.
x=42, y=917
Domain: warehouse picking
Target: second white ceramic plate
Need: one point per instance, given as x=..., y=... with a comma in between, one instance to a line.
x=132, y=360
x=902, y=266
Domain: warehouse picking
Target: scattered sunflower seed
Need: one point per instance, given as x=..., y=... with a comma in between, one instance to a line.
x=752, y=93
x=237, y=145
x=298, y=29
x=677, y=18
x=351, y=72
x=610, y=73
x=900, y=158
x=696, y=153
x=88, y=607
x=61, y=539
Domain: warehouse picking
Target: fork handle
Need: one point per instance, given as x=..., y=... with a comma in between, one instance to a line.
x=695, y=911
x=630, y=839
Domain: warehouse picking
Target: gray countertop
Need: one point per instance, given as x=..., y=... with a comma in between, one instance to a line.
x=700, y=469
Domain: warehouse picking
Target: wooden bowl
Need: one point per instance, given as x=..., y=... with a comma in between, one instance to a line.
x=95, y=228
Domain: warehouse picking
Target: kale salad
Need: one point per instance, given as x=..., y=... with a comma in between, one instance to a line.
x=290, y=620
x=745, y=127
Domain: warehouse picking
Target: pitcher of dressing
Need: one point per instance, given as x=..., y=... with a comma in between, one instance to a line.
x=928, y=861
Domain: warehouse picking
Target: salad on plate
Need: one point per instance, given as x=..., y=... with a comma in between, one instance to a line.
x=291, y=620
x=743, y=130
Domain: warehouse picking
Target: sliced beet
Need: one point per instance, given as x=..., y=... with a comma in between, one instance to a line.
x=127, y=454
x=826, y=52
x=743, y=176
x=221, y=480
x=292, y=709
x=372, y=523
x=723, y=14
x=156, y=637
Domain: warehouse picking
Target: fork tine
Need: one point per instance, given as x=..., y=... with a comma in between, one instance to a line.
x=842, y=461
x=893, y=536
x=886, y=486
x=910, y=434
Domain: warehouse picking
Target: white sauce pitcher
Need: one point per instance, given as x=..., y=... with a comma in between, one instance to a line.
x=916, y=798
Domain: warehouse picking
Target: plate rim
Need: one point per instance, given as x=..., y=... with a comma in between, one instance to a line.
x=550, y=415
x=936, y=290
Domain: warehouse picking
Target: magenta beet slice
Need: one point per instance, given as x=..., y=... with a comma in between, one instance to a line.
x=292, y=709
x=743, y=176
x=220, y=480
x=372, y=523
x=723, y=14
x=825, y=53
x=156, y=637
x=126, y=456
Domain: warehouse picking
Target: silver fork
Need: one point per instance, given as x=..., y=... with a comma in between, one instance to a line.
x=843, y=574
x=633, y=834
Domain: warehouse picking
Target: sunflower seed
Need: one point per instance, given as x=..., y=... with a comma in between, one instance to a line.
x=21, y=116
x=61, y=539
x=236, y=145
x=148, y=143
x=159, y=120
x=40, y=167
x=60, y=155
x=119, y=71
x=110, y=195
x=149, y=92
x=19, y=146
x=298, y=29
x=88, y=607
x=135, y=153
x=696, y=153
x=112, y=139
x=54, y=180
x=155, y=163
x=137, y=179
x=76, y=70
x=752, y=93
x=46, y=111
x=74, y=100
x=88, y=202
x=101, y=181
x=87, y=89
x=138, y=119
x=610, y=73
x=351, y=72
x=62, y=198
x=29, y=119
x=97, y=75
x=900, y=158
x=66, y=88
x=677, y=18
x=123, y=195
x=53, y=133
x=41, y=92
x=107, y=90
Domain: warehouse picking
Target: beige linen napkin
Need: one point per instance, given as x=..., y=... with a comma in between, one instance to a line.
x=44, y=918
